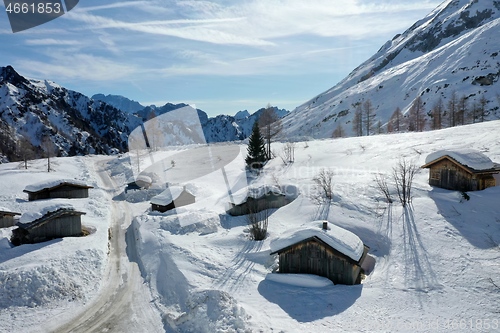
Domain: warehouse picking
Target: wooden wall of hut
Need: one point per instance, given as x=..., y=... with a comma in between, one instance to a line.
x=313, y=257
x=448, y=175
x=7, y=221
x=64, y=226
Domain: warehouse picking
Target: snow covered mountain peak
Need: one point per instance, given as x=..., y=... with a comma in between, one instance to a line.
x=453, y=49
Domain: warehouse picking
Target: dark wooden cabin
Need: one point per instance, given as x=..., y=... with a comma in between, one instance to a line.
x=172, y=197
x=314, y=255
x=66, y=189
x=256, y=200
x=452, y=171
x=7, y=218
x=63, y=222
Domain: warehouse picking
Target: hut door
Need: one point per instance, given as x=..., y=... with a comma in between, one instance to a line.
x=448, y=179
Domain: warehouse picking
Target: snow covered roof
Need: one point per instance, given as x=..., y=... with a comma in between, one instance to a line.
x=31, y=217
x=48, y=184
x=8, y=211
x=169, y=195
x=338, y=238
x=468, y=157
x=255, y=192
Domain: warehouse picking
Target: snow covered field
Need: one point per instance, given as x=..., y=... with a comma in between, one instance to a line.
x=434, y=266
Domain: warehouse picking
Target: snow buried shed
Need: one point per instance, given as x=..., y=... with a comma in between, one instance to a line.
x=63, y=188
x=323, y=249
x=258, y=198
x=172, y=197
x=461, y=170
x=52, y=222
x=7, y=218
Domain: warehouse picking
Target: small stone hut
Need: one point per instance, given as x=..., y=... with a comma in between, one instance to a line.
x=52, y=222
x=7, y=218
x=323, y=249
x=172, y=197
x=257, y=198
x=64, y=188
x=461, y=170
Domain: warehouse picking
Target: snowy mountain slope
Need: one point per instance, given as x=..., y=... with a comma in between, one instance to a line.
x=32, y=110
x=119, y=102
x=454, y=49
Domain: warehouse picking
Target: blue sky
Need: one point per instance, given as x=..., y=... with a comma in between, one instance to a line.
x=222, y=56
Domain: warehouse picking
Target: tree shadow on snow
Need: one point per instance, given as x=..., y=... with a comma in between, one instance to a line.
x=419, y=273
x=310, y=304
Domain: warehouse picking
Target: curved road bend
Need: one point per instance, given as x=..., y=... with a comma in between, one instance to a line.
x=124, y=303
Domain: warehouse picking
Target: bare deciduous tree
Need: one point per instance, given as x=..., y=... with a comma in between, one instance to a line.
x=258, y=222
x=403, y=175
x=270, y=126
x=288, y=153
x=49, y=148
x=357, y=121
x=437, y=114
x=381, y=181
x=369, y=115
x=338, y=132
x=324, y=186
x=395, y=123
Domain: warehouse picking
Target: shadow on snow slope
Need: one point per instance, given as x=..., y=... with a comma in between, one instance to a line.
x=310, y=304
x=477, y=220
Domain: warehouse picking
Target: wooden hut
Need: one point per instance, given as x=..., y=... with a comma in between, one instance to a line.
x=323, y=249
x=54, y=222
x=256, y=199
x=7, y=218
x=464, y=170
x=172, y=197
x=65, y=188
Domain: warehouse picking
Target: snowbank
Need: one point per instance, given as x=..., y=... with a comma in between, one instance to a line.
x=338, y=238
x=169, y=195
x=470, y=157
x=52, y=183
x=6, y=210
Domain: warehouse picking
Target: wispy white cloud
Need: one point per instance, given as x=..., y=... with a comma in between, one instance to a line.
x=51, y=41
x=77, y=67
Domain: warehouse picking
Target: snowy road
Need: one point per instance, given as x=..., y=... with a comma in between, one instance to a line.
x=124, y=303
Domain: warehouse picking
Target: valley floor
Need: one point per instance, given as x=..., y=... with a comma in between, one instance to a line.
x=434, y=265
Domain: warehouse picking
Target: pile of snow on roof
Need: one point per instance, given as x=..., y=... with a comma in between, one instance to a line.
x=33, y=216
x=338, y=238
x=472, y=158
x=169, y=195
x=52, y=183
x=254, y=192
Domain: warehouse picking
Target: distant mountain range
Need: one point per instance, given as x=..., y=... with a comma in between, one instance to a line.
x=454, y=49
x=37, y=116
x=220, y=128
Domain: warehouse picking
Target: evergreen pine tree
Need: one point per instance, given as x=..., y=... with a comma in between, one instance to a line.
x=256, y=155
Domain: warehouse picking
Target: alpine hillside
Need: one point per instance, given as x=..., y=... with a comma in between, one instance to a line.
x=39, y=117
x=452, y=53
